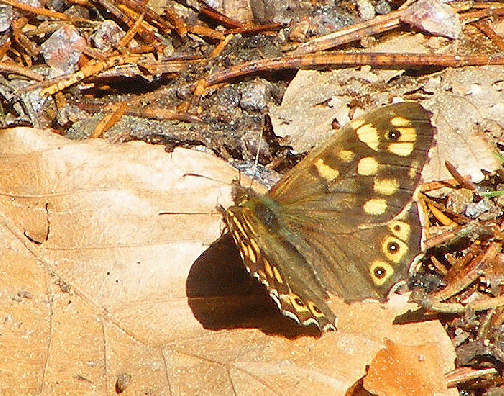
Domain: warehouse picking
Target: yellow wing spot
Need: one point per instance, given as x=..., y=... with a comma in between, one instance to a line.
x=254, y=245
x=297, y=303
x=268, y=269
x=278, y=277
x=357, y=123
x=400, y=122
x=250, y=253
x=402, y=149
x=403, y=137
x=367, y=166
x=400, y=230
x=413, y=169
x=375, y=207
x=394, y=249
x=315, y=310
x=408, y=133
x=325, y=170
x=236, y=223
x=380, y=272
x=346, y=155
x=368, y=135
x=386, y=186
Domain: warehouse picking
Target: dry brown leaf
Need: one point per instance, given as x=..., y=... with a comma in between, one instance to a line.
x=400, y=370
x=468, y=110
x=99, y=206
x=466, y=104
x=314, y=99
x=97, y=286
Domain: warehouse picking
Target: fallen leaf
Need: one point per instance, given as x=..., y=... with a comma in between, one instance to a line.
x=314, y=99
x=98, y=285
x=401, y=370
x=466, y=104
x=467, y=111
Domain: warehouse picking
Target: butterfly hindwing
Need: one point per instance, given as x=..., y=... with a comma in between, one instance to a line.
x=297, y=293
x=364, y=262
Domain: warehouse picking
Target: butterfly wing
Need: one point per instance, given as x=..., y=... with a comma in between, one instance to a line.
x=342, y=220
x=361, y=263
x=347, y=207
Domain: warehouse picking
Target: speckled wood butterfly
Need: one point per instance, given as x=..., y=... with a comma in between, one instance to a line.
x=343, y=220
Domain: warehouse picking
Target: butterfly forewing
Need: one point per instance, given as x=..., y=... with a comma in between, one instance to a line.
x=342, y=220
x=352, y=163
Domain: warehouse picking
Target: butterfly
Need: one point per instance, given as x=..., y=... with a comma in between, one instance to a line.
x=343, y=220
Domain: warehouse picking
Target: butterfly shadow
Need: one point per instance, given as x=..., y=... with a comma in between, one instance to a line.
x=223, y=295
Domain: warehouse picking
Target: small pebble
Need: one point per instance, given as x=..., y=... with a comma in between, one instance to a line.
x=6, y=16
x=62, y=50
x=255, y=96
x=107, y=36
x=383, y=7
x=475, y=210
x=366, y=9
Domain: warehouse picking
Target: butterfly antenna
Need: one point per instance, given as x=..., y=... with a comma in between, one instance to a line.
x=256, y=160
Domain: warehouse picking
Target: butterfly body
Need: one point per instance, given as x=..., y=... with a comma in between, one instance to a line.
x=343, y=220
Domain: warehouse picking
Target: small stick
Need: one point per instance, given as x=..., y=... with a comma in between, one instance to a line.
x=150, y=15
x=339, y=59
x=131, y=32
x=355, y=32
x=221, y=18
x=89, y=69
x=256, y=29
x=206, y=32
x=463, y=181
x=180, y=25
x=220, y=47
x=486, y=29
x=472, y=274
x=110, y=119
x=39, y=11
x=466, y=374
x=22, y=71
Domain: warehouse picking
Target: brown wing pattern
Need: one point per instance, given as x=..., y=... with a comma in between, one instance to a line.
x=342, y=220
